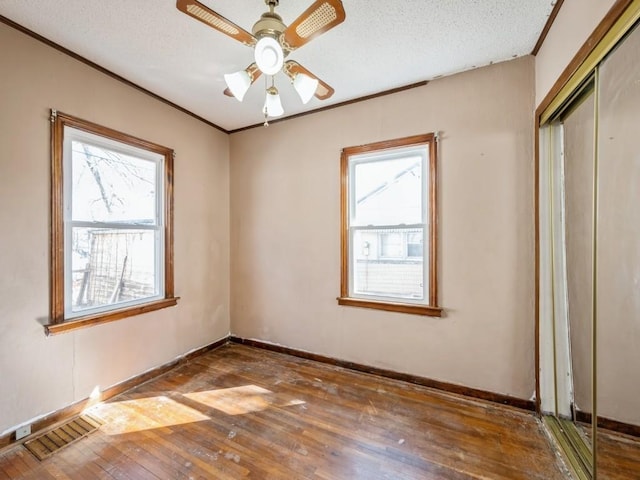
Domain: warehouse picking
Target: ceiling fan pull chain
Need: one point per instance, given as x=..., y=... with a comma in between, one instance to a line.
x=264, y=110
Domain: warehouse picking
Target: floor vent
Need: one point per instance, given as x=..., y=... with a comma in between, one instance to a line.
x=50, y=442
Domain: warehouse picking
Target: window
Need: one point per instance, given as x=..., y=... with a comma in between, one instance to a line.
x=111, y=220
x=389, y=222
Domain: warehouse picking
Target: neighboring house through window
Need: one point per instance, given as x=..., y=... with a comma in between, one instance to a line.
x=112, y=251
x=389, y=226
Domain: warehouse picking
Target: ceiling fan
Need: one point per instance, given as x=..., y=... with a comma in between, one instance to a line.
x=272, y=42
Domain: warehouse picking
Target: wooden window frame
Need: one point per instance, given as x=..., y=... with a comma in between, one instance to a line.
x=430, y=307
x=58, y=324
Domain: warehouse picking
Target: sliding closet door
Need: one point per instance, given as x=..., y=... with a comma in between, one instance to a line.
x=579, y=131
x=589, y=256
x=618, y=251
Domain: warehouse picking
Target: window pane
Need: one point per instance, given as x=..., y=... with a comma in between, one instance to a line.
x=388, y=192
x=382, y=269
x=111, y=187
x=111, y=266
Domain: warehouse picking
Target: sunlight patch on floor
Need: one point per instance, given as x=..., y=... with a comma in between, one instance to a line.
x=241, y=400
x=144, y=414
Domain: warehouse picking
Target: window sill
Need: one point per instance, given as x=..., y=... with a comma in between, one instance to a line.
x=112, y=316
x=392, y=307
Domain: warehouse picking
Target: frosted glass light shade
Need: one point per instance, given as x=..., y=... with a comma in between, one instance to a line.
x=272, y=104
x=238, y=83
x=305, y=86
x=269, y=56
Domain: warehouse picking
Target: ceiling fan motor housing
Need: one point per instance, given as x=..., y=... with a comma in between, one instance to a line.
x=270, y=24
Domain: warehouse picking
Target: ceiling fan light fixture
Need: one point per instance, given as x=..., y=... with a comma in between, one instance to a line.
x=272, y=103
x=305, y=86
x=269, y=55
x=238, y=83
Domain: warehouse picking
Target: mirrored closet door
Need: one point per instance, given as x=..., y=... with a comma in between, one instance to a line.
x=618, y=261
x=589, y=260
x=569, y=141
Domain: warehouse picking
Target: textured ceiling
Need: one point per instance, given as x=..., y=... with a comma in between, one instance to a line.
x=380, y=46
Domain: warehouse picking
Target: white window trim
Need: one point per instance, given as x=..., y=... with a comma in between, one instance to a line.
x=420, y=151
x=73, y=134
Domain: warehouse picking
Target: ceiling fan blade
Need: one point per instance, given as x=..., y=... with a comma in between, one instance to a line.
x=319, y=18
x=292, y=68
x=207, y=16
x=254, y=73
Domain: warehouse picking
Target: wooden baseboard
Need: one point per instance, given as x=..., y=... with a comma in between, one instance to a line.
x=76, y=408
x=608, y=424
x=426, y=382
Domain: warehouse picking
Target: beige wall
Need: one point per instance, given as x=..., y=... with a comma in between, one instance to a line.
x=286, y=241
x=576, y=20
x=40, y=374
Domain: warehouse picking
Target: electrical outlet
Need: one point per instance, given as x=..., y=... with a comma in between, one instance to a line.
x=23, y=431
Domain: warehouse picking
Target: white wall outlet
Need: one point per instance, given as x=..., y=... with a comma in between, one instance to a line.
x=23, y=431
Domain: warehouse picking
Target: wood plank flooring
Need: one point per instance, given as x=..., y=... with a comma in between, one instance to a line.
x=618, y=456
x=240, y=412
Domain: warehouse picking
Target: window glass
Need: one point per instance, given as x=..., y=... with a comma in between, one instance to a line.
x=111, y=266
x=109, y=186
x=414, y=244
x=381, y=269
x=391, y=245
x=387, y=192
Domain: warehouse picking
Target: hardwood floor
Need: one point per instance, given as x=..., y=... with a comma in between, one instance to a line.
x=618, y=456
x=241, y=412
